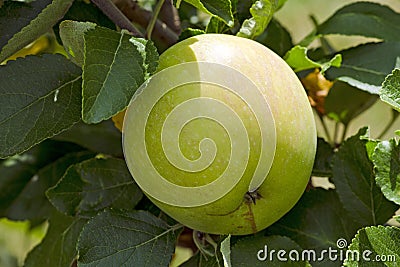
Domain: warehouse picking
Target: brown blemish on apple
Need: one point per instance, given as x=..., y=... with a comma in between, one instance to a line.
x=250, y=199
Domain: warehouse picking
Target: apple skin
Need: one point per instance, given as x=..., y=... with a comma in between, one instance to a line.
x=240, y=213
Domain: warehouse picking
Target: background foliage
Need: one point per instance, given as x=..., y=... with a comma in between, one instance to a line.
x=69, y=67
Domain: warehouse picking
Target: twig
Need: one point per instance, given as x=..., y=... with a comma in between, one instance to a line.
x=345, y=127
x=113, y=13
x=328, y=136
x=153, y=20
x=325, y=45
x=395, y=114
x=336, y=133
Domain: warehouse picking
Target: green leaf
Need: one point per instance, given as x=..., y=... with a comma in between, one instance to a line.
x=390, y=92
x=297, y=59
x=354, y=180
x=134, y=238
x=276, y=37
x=115, y=65
x=386, y=159
x=71, y=33
x=58, y=248
x=33, y=20
x=32, y=202
x=370, y=146
x=366, y=66
x=317, y=221
x=18, y=172
x=322, y=164
x=226, y=251
x=366, y=19
x=261, y=250
x=40, y=98
x=219, y=8
x=101, y=137
x=149, y=54
x=280, y=4
x=93, y=185
x=375, y=245
x=189, y=32
x=261, y=12
x=215, y=25
x=345, y=102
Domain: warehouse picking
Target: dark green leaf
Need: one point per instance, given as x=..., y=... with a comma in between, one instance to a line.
x=41, y=104
x=317, y=221
x=219, y=8
x=82, y=10
x=16, y=15
x=366, y=19
x=243, y=10
x=367, y=65
x=23, y=23
x=102, y=137
x=375, y=246
x=355, y=183
x=115, y=65
x=93, y=185
x=297, y=59
x=390, y=92
x=261, y=12
x=257, y=251
x=134, y=238
x=345, y=102
x=32, y=202
x=17, y=172
x=386, y=159
x=276, y=37
x=58, y=248
x=200, y=260
x=71, y=34
x=322, y=164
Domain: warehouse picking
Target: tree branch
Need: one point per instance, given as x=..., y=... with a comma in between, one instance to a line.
x=162, y=35
x=113, y=13
x=169, y=15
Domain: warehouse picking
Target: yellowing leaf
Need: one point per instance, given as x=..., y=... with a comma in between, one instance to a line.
x=317, y=88
x=118, y=120
x=40, y=45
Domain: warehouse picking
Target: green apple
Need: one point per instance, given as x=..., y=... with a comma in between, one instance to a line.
x=223, y=137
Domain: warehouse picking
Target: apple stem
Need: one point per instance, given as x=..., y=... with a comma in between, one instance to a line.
x=199, y=239
x=325, y=127
x=252, y=196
